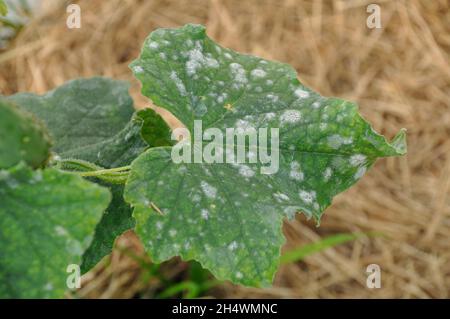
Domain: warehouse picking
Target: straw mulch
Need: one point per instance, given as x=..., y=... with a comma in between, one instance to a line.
x=399, y=75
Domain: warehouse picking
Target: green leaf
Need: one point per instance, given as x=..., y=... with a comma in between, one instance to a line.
x=93, y=120
x=85, y=117
x=115, y=221
x=118, y=217
x=22, y=137
x=155, y=130
x=3, y=8
x=47, y=220
x=229, y=216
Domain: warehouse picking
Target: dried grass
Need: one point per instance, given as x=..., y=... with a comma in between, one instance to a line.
x=399, y=75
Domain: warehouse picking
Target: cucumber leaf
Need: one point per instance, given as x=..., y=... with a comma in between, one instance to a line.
x=94, y=120
x=22, y=137
x=229, y=216
x=83, y=115
x=47, y=220
x=116, y=219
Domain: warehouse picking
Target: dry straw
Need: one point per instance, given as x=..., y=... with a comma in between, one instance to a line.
x=399, y=75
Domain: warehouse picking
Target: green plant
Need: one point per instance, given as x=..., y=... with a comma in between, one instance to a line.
x=110, y=168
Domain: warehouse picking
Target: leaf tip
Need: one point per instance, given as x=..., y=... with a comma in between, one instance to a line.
x=399, y=142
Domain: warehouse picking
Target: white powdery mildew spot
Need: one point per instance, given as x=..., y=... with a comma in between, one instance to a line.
x=246, y=171
x=227, y=55
x=198, y=60
x=269, y=82
x=74, y=247
x=48, y=286
x=316, y=105
x=159, y=225
x=221, y=98
x=269, y=116
x=189, y=43
x=295, y=172
x=138, y=69
x=280, y=197
x=243, y=126
x=360, y=172
x=233, y=246
x=153, y=45
x=327, y=173
x=239, y=275
x=61, y=231
x=335, y=141
x=210, y=191
x=357, y=159
x=258, y=73
x=238, y=73
x=205, y=214
x=179, y=84
x=291, y=116
x=272, y=97
x=194, y=62
x=37, y=177
x=172, y=233
x=252, y=156
x=307, y=197
x=302, y=94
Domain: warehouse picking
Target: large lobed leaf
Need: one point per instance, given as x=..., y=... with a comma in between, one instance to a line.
x=229, y=216
x=47, y=219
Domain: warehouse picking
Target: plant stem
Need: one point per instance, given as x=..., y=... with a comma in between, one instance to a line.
x=117, y=175
x=123, y=169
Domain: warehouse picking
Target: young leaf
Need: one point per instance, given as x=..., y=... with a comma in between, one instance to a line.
x=115, y=221
x=47, y=220
x=22, y=137
x=229, y=216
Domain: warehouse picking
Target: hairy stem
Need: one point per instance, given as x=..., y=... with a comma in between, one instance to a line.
x=117, y=175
